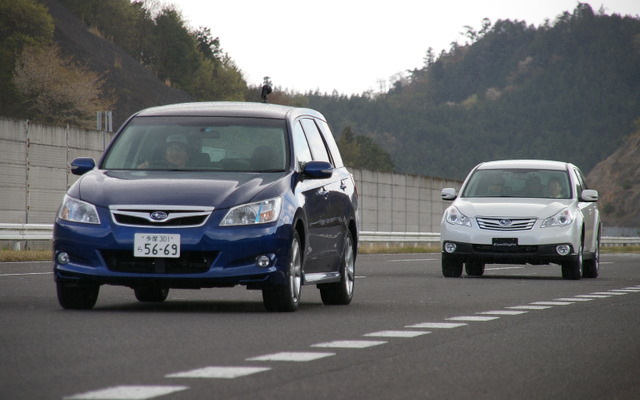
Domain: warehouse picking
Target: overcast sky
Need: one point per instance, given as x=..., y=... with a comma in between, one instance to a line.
x=355, y=46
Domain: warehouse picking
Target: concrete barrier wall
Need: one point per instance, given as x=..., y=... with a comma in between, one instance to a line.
x=34, y=167
x=34, y=175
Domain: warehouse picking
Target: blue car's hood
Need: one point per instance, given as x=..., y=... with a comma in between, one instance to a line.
x=213, y=189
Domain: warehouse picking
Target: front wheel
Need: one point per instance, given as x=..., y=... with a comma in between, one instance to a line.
x=451, y=267
x=474, y=268
x=342, y=293
x=573, y=269
x=287, y=297
x=76, y=296
x=151, y=294
x=592, y=266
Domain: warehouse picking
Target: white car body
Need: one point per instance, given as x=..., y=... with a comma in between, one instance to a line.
x=521, y=223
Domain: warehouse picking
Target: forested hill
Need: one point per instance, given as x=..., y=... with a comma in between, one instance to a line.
x=567, y=90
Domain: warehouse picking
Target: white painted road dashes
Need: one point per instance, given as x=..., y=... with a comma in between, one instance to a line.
x=143, y=392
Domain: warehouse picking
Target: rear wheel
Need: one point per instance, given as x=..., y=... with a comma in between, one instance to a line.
x=573, y=269
x=474, y=268
x=342, y=293
x=151, y=294
x=287, y=297
x=451, y=267
x=76, y=296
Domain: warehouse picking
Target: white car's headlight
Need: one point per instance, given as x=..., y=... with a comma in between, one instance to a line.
x=78, y=211
x=563, y=218
x=261, y=212
x=453, y=216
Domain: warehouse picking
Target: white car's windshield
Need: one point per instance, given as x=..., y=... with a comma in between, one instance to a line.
x=523, y=183
x=200, y=143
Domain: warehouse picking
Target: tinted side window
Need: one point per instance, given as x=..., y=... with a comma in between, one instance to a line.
x=318, y=148
x=331, y=142
x=300, y=145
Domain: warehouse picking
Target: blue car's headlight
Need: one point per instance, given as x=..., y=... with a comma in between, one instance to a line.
x=261, y=212
x=78, y=211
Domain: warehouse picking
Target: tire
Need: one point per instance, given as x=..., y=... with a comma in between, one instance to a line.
x=573, y=269
x=286, y=298
x=151, y=294
x=591, y=267
x=77, y=297
x=451, y=267
x=342, y=293
x=474, y=268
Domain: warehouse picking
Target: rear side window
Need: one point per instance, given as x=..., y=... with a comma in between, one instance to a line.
x=331, y=143
x=318, y=148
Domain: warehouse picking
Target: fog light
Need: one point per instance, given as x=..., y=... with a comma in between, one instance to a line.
x=263, y=261
x=563, y=249
x=63, y=258
x=450, y=247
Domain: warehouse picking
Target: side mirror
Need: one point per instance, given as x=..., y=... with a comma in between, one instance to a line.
x=448, y=194
x=82, y=165
x=318, y=170
x=589, y=195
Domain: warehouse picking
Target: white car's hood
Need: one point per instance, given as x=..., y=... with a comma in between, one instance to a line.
x=510, y=207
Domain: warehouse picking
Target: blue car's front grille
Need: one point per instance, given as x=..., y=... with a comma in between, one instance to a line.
x=190, y=262
x=160, y=216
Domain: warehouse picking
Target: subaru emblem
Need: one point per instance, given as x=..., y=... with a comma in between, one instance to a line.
x=505, y=222
x=159, y=215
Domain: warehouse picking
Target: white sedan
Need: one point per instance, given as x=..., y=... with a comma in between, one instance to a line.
x=522, y=212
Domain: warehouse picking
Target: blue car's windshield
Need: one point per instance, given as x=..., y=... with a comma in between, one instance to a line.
x=523, y=183
x=200, y=143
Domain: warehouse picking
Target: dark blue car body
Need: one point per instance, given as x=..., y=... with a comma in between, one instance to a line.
x=274, y=224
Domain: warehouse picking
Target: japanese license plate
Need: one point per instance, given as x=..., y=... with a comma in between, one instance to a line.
x=156, y=245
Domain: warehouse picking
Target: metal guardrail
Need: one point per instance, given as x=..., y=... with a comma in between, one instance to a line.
x=25, y=232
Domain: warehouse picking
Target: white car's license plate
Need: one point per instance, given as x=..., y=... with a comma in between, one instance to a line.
x=156, y=245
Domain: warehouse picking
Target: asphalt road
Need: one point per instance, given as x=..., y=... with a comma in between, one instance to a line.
x=516, y=333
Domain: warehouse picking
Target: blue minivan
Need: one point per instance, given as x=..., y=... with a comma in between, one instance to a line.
x=212, y=194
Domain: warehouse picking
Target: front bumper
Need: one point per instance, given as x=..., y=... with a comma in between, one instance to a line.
x=210, y=257
x=521, y=254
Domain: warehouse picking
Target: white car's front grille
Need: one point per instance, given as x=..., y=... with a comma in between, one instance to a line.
x=506, y=224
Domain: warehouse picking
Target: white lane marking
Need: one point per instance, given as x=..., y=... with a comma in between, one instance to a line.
x=609, y=293
x=502, y=312
x=27, y=274
x=436, y=325
x=529, y=307
x=593, y=296
x=501, y=268
x=574, y=299
x=219, y=372
x=472, y=318
x=350, y=344
x=127, y=392
x=626, y=290
x=551, y=303
x=415, y=260
x=292, y=356
x=398, y=334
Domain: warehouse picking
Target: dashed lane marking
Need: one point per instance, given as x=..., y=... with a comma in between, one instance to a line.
x=472, y=318
x=609, y=293
x=436, y=325
x=127, y=393
x=292, y=356
x=593, y=296
x=350, y=344
x=551, y=303
x=502, y=312
x=397, y=334
x=529, y=307
x=574, y=299
x=219, y=372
